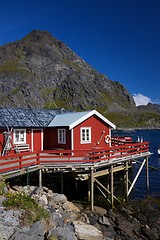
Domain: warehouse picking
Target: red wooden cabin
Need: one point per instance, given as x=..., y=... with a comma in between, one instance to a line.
x=78, y=131
x=24, y=130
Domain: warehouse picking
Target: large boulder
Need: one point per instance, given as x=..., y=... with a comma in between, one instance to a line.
x=85, y=231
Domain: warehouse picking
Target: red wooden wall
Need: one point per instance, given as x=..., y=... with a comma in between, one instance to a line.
x=97, y=128
x=51, y=139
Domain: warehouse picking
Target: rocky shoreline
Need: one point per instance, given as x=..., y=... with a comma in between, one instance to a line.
x=72, y=221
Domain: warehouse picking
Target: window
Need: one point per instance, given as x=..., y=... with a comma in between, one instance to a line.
x=19, y=136
x=86, y=135
x=62, y=136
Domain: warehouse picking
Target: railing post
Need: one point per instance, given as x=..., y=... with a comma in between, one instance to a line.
x=38, y=158
x=20, y=162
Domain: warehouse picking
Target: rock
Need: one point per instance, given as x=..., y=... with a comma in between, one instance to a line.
x=104, y=221
x=139, y=220
x=23, y=236
x=84, y=218
x=62, y=233
x=60, y=198
x=35, y=232
x=2, y=199
x=85, y=231
x=11, y=217
x=93, y=219
x=69, y=217
x=70, y=207
x=100, y=210
x=17, y=188
x=37, y=229
x=36, y=190
x=43, y=199
x=56, y=219
x=6, y=232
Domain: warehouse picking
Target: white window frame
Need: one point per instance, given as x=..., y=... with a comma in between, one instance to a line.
x=21, y=136
x=62, y=135
x=85, y=135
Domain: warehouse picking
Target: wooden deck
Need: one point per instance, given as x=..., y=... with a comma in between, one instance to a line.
x=66, y=160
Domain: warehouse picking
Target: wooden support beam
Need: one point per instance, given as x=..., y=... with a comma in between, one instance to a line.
x=40, y=178
x=92, y=189
x=126, y=180
x=89, y=190
x=104, y=188
x=112, y=181
x=147, y=175
x=136, y=177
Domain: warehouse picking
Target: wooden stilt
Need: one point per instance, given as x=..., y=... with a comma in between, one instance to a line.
x=92, y=190
x=112, y=195
x=40, y=178
x=147, y=176
x=108, y=183
x=126, y=180
x=89, y=190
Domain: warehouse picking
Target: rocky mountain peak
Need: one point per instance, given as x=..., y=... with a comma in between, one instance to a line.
x=40, y=71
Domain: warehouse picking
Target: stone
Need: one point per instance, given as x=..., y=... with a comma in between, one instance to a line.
x=37, y=229
x=6, y=232
x=104, y=221
x=56, y=219
x=36, y=190
x=43, y=199
x=85, y=231
x=100, y=210
x=84, y=218
x=62, y=233
x=60, y=198
x=70, y=207
x=23, y=236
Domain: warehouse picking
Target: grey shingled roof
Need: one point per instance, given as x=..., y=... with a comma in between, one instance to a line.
x=18, y=117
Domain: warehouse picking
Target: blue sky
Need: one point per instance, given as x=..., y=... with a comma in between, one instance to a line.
x=119, y=38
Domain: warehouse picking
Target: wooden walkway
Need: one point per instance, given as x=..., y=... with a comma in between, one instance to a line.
x=67, y=160
x=87, y=164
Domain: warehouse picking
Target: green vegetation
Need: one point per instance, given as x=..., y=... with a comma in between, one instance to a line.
x=134, y=119
x=11, y=66
x=75, y=65
x=32, y=211
x=2, y=186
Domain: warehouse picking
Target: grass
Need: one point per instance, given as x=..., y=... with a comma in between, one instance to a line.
x=32, y=211
x=2, y=186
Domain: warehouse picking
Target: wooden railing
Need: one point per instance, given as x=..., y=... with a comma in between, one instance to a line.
x=53, y=157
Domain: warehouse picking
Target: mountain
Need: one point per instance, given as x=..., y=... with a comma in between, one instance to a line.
x=150, y=107
x=40, y=71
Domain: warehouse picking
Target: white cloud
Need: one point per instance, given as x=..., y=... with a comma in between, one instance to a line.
x=141, y=99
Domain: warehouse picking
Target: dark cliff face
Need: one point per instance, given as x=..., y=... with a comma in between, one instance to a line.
x=40, y=71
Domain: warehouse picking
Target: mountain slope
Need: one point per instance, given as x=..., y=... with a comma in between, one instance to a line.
x=41, y=71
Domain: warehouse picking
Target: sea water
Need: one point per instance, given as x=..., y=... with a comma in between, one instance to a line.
x=153, y=137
